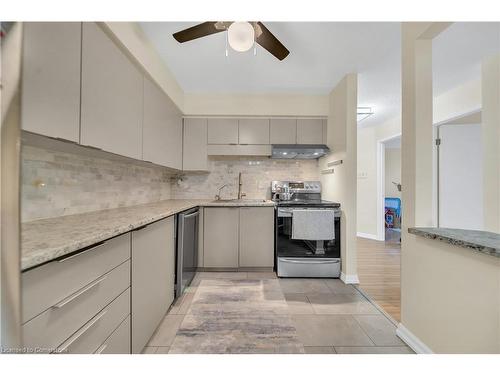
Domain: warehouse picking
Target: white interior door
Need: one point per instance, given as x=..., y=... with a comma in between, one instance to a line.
x=460, y=177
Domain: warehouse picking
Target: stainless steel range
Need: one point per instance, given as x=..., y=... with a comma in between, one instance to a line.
x=307, y=230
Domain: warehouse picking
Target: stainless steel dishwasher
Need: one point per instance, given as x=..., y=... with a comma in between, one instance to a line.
x=187, y=249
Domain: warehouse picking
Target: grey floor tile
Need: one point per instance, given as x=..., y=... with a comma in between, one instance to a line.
x=261, y=275
x=341, y=304
x=374, y=350
x=379, y=329
x=337, y=286
x=304, y=286
x=330, y=330
x=319, y=349
x=167, y=330
x=149, y=350
x=298, y=303
x=163, y=350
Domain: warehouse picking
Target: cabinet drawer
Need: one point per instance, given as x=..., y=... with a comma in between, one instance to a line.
x=48, y=284
x=118, y=342
x=65, y=317
x=93, y=333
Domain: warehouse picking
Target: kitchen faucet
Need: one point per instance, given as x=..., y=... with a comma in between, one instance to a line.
x=240, y=184
x=217, y=196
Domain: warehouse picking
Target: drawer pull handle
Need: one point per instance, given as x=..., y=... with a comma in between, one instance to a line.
x=79, y=292
x=81, y=252
x=308, y=262
x=101, y=349
x=81, y=331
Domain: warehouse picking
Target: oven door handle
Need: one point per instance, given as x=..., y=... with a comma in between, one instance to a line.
x=309, y=262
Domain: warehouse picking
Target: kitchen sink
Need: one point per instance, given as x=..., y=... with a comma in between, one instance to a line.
x=221, y=201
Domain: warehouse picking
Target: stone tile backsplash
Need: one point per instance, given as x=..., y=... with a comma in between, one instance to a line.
x=257, y=174
x=56, y=183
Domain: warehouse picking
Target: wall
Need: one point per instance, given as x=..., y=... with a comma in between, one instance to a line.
x=340, y=186
x=367, y=182
x=56, y=183
x=491, y=142
x=460, y=100
x=460, y=176
x=392, y=172
x=133, y=40
x=257, y=174
x=450, y=296
x=368, y=139
x=256, y=105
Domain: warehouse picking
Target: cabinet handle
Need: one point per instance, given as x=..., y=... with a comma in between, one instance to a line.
x=101, y=349
x=81, y=331
x=81, y=252
x=233, y=144
x=79, y=292
x=308, y=262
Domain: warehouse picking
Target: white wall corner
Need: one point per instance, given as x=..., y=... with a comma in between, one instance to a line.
x=349, y=279
x=369, y=236
x=412, y=341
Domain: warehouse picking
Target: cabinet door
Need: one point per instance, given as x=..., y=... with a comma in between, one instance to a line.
x=51, y=79
x=161, y=133
x=220, y=248
x=153, y=267
x=310, y=131
x=253, y=131
x=195, y=145
x=111, y=117
x=256, y=237
x=325, y=131
x=222, y=131
x=283, y=131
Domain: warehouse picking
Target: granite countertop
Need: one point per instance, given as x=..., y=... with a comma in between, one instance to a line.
x=47, y=239
x=484, y=242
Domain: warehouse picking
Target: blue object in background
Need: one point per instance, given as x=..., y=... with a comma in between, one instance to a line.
x=393, y=204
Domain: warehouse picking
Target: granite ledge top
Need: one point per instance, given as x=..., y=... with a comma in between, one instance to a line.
x=484, y=242
x=47, y=239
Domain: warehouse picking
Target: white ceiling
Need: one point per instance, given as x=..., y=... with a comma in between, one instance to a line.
x=321, y=53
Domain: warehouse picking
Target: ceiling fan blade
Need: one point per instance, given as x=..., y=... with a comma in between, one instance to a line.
x=199, y=31
x=267, y=40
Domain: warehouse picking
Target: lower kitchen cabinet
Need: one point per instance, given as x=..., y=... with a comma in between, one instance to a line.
x=238, y=237
x=153, y=277
x=220, y=238
x=256, y=242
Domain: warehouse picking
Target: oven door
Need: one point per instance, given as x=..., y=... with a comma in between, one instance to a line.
x=300, y=258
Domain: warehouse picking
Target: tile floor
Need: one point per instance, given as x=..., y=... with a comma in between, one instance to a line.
x=254, y=312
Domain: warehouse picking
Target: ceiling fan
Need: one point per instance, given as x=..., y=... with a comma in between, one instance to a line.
x=241, y=36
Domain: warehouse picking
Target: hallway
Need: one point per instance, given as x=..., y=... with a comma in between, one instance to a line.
x=379, y=273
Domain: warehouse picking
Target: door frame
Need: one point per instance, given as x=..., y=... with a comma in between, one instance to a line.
x=381, y=185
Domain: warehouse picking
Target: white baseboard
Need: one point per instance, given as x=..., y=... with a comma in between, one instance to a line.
x=412, y=341
x=349, y=279
x=368, y=236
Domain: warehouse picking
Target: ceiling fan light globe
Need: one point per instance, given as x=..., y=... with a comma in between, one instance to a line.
x=241, y=36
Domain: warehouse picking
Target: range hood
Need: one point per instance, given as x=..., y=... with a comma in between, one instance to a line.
x=299, y=151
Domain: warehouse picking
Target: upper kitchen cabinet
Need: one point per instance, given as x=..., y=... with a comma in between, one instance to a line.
x=195, y=145
x=283, y=131
x=111, y=96
x=222, y=131
x=253, y=132
x=162, y=128
x=310, y=131
x=325, y=131
x=51, y=79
